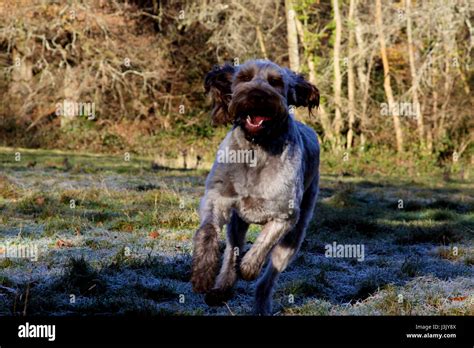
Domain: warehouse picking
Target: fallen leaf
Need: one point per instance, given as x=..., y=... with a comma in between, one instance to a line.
x=459, y=298
x=154, y=234
x=63, y=244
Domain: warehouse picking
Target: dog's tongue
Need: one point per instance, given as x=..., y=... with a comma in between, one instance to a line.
x=255, y=123
x=258, y=119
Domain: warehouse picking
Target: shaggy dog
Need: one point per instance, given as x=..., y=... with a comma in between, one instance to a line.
x=268, y=176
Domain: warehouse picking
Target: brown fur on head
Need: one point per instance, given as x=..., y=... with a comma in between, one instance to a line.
x=217, y=83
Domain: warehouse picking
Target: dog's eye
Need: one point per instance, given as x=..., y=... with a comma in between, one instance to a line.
x=274, y=81
x=245, y=78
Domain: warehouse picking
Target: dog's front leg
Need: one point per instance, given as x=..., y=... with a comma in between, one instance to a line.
x=254, y=259
x=206, y=245
x=205, y=256
x=222, y=291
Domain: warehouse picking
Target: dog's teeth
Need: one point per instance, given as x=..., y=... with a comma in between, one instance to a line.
x=260, y=123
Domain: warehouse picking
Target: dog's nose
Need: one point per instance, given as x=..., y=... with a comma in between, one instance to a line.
x=257, y=95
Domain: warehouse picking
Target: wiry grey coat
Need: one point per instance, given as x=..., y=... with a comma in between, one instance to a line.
x=278, y=189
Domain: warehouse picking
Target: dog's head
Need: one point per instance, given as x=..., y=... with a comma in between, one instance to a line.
x=256, y=96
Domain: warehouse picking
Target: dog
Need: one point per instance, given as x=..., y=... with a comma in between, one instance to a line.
x=278, y=191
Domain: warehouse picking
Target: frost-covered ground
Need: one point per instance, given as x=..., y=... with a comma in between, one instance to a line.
x=114, y=237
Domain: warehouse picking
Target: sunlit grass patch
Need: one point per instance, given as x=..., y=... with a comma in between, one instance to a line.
x=425, y=296
x=420, y=296
x=122, y=225
x=428, y=231
x=428, y=214
x=343, y=197
x=8, y=189
x=455, y=253
x=439, y=215
x=150, y=220
x=98, y=244
x=99, y=216
x=179, y=220
x=69, y=224
x=6, y=263
x=391, y=301
x=253, y=232
x=451, y=253
x=37, y=204
x=311, y=307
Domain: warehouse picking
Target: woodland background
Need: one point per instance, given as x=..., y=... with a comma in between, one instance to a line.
x=110, y=203
x=142, y=63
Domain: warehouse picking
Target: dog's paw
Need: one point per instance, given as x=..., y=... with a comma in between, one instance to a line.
x=216, y=297
x=249, y=268
x=263, y=311
x=202, y=284
x=203, y=275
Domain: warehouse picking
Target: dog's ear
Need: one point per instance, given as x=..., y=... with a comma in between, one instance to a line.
x=302, y=92
x=218, y=84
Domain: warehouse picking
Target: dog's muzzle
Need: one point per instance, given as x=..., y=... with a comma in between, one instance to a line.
x=255, y=110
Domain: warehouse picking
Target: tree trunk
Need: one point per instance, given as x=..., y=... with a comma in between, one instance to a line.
x=364, y=80
x=350, y=76
x=337, y=74
x=441, y=131
x=292, y=36
x=434, y=115
x=414, y=80
x=365, y=101
x=386, y=82
x=325, y=123
x=261, y=42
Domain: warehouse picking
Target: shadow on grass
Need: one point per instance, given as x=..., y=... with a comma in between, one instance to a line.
x=124, y=286
x=396, y=242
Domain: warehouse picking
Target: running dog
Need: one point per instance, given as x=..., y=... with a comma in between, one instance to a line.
x=277, y=189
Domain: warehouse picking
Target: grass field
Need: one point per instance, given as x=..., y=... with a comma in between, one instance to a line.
x=115, y=237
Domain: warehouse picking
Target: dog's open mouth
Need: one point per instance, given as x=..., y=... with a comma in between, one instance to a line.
x=255, y=123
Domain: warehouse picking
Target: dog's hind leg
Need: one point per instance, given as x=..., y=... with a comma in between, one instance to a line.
x=283, y=253
x=236, y=230
x=280, y=258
